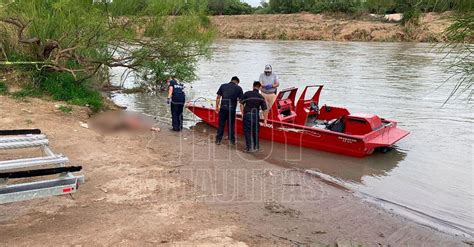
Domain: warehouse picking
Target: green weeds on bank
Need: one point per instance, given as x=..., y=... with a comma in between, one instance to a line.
x=3, y=88
x=65, y=109
x=61, y=86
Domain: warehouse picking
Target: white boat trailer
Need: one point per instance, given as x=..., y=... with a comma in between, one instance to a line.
x=48, y=164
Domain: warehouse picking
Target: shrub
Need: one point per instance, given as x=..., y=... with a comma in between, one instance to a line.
x=229, y=7
x=27, y=91
x=65, y=108
x=62, y=86
x=3, y=88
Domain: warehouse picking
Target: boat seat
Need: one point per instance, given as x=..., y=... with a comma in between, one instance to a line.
x=336, y=125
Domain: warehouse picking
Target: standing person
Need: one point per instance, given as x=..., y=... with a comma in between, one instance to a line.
x=176, y=98
x=269, y=81
x=226, y=105
x=250, y=105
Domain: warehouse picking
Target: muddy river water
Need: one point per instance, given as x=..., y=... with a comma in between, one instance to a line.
x=427, y=177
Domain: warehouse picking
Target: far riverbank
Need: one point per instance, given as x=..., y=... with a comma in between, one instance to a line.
x=335, y=27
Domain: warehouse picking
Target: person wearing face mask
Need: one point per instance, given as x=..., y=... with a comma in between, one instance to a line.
x=269, y=81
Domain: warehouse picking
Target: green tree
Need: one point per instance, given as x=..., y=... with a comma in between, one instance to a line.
x=83, y=39
x=461, y=37
x=228, y=7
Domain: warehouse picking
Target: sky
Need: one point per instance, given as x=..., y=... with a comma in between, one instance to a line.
x=254, y=3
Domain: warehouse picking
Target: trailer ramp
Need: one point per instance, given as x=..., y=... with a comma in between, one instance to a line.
x=35, y=168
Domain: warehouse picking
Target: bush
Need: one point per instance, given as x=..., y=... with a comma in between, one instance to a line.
x=345, y=7
x=3, y=88
x=62, y=86
x=371, y=6
x=65, y=109
x=28, y=91
x=229, y=7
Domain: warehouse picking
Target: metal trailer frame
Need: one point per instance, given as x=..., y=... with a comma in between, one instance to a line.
x=66, y=183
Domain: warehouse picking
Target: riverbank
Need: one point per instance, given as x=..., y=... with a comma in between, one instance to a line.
x=336, y=27
x=147, y=188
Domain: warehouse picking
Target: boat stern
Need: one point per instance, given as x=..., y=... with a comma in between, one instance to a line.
x=386, y=136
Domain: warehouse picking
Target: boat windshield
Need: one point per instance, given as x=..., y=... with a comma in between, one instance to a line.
x=286, y=95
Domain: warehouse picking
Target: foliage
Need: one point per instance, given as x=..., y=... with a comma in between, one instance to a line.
x=264, y=8
x=128, y=8
x=461, y=36
x=178, y=7
x=83, y=39
x=65, y=108
x=3, y=88
x=27, y=91
x=229, y=7
x=336, y=6
x=412, y=7
x=62, y=86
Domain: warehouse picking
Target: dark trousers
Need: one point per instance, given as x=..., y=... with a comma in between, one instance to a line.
x=177, y=105
x=251, y=126
x=226, y=116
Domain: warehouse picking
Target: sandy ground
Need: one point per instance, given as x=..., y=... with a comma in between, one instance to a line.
x=305, y=26
x=181, y=190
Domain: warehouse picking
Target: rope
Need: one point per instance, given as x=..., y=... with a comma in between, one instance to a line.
x=205, y=99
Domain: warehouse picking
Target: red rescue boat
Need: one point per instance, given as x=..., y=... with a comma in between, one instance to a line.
x=329, y=128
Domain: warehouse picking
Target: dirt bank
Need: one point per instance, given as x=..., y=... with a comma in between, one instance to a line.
x=339, y=27
x=179, y=189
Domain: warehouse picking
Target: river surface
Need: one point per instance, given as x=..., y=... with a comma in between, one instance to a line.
x=428, y=177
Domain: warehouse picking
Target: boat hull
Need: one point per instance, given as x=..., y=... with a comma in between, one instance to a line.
x=312, y=137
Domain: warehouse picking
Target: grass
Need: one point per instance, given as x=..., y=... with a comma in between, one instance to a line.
x=65, y=109
x=63, y=87
x=3, y=88
x=27, y=91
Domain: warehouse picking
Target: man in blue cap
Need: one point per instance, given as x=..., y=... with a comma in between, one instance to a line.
x=226, y=105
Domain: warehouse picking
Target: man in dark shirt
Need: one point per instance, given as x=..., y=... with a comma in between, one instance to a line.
x=176, y=98
x=226, y=105
x=250, y=105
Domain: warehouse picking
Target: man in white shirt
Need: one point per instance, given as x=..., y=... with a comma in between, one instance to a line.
x=269, y=81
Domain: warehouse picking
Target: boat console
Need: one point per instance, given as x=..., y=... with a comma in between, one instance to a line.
x=283, y=109
x=308, y=107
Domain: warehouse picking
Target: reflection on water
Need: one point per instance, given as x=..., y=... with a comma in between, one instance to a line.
x=348, y=169
x=430, y=171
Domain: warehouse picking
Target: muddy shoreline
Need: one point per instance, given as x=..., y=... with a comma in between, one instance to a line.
x=335, y=27
x=146, y=188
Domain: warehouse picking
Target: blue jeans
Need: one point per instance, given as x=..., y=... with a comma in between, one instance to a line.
x=226, y=115
x=251, y=127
